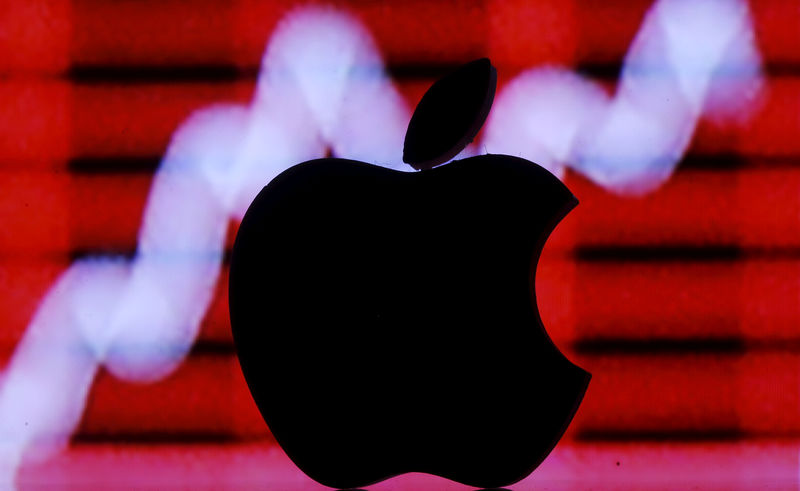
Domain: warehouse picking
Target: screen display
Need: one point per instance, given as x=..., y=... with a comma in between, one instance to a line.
x=135, y=134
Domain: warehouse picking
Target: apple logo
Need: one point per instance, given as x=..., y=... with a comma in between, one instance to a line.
x=386, y=322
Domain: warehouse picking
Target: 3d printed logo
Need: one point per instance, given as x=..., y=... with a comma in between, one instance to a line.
x=386, y=322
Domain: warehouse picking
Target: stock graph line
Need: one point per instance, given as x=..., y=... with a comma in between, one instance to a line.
x=688, y=59
x=323, y=87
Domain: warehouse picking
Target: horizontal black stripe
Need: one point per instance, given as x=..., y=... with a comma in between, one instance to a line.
x=620, y=347
x=422, y=71
x=167, y=438
x=149, y=74
x=603, y=72
x=724, y=161
x=611, y=71
x=721, y=435
x=580, y=254
x=658, y=253
x=716, y=434
x=224, y=73
x=600, y=71
x=80, y=255
x=207, y=348
x=683, y=253
x=114, y=165
x=600, y=347
x=614, y=346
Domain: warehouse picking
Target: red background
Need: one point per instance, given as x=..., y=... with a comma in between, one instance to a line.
x=682, y=303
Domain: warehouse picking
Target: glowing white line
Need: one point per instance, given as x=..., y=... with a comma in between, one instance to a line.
x=688, y=58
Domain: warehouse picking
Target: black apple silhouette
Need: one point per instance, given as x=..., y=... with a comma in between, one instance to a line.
x=386, y=322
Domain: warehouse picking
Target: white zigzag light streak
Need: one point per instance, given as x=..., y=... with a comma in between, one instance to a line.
x=688, y=58
x=323, y=85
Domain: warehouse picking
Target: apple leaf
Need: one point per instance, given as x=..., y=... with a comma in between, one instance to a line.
x=450, y=114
